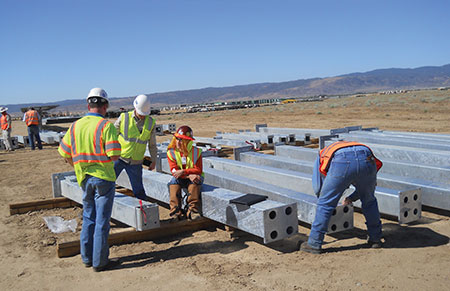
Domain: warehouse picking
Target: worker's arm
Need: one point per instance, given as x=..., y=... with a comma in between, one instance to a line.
x=152, y=149
x=112, y=145
x=117, y=123
x=69, y=160
x=8, y=121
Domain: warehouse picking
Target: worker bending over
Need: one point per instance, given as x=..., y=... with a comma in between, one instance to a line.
x=136, y=128
x=186, y=167
x=338, y=166
x=91, y=145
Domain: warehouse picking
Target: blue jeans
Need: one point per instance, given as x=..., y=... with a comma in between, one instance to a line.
x=33, y=132
x=98, y=199
x=350, y=165
x=135, y=174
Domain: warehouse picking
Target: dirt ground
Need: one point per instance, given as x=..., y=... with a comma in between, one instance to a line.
x=415, y=257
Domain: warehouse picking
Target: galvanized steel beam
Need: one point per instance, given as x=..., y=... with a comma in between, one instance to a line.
x=391, y=202
x=268, y=219
x=125, y=209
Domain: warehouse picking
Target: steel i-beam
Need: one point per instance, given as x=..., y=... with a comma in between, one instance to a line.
x=270, y=220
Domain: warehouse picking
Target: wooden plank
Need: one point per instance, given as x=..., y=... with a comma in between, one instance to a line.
x=72, y=248
x=24, y=207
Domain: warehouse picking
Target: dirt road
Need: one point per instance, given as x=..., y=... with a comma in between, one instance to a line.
x=415, y=257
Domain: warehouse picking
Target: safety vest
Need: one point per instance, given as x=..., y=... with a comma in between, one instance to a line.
x=31, y=117
x=4, y=122
x=88, y=142
x=192, y=158
x=327, y=153
x=132, y=141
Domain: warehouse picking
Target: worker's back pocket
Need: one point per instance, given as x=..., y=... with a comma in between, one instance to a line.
x=338, y=169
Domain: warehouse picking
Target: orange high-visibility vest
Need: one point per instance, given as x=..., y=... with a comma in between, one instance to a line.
x=31, y=117
x=4, y=122
x=327, y=153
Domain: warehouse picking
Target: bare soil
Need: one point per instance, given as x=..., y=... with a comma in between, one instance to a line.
x=415, y=256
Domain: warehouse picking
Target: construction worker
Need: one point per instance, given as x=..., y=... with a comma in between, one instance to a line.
x=186, y=166
x=91, y=146
x=136, y=128
x=31, y=118
x=5, y=121
x=338, y=166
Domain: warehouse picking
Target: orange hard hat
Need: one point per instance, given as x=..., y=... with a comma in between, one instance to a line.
x=184, y=132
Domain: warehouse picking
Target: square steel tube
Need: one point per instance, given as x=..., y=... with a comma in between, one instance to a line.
x=270, y=220
x=299, y=181
x=125, y=209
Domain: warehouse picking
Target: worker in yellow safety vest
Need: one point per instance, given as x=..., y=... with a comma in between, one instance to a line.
x=186, y=167
x=31, y=119
x=136, y=129
x=5, y=121
x=338, y=166
x=91, y=146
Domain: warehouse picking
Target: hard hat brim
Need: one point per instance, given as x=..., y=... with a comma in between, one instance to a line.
x=183, y=136
x=141, y=112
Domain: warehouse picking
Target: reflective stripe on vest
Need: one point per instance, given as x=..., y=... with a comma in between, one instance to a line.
x=4, y=122
x=99, y=156
x=31, y=118
x=126, y=127
x=327, y=153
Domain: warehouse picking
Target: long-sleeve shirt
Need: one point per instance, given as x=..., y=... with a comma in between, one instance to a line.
x=151, y=142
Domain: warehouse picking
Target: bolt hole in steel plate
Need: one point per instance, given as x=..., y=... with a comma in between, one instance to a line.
x=288, y=210
x=274, y=234
x=415, y=197
x=334, y=212
x=405, y=199
x=346, y=224
x=333, y=227
x=272, y=214
x=415, y=211
x=290, y=230
x=405, y=214
x=346, y=209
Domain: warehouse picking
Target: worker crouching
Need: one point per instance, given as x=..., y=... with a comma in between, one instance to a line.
x=186, y=167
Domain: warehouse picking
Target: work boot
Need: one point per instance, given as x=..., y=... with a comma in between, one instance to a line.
x=175, y=200
x=193, y=201
x=305, y=247
x=375, y=244
x=110, y=265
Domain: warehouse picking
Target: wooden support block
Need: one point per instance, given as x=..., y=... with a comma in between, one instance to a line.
x=72, y=248
x=61, y=202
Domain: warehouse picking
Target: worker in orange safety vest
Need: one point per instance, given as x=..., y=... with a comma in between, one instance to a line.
x=31, y=118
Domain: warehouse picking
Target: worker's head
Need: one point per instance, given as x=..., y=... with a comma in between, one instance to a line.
x=97, y=100
x=31, y=108
x=142, y=106
x=3, y=110
x=182, y=139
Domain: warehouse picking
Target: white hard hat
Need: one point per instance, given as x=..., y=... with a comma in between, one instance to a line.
x=97, y=92
x=3, y=109
x=142, y=104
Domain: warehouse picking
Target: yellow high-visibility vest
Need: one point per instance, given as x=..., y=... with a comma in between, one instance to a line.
x=191, y=159
x=132, y=141
x=90, y=142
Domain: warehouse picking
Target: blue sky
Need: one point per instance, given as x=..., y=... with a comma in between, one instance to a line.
x=59, y=49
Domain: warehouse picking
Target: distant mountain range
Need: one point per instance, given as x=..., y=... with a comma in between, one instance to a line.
x=372, y=81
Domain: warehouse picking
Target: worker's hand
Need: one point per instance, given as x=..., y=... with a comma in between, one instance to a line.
x=347, y=201
x=69, y=160
x=152, y=166
x=178, y=174
x=194, y=178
